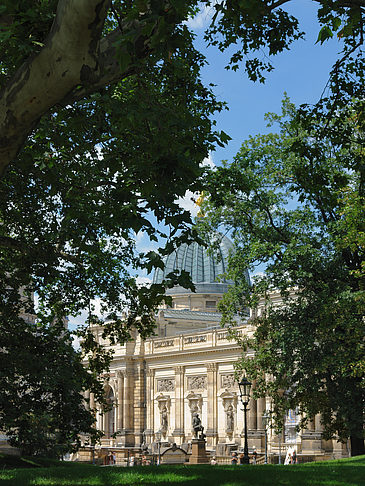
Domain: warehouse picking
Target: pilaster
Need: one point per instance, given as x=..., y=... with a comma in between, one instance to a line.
x=150, y=404
x=120, y=393
x=212, y=404
x=179, y=432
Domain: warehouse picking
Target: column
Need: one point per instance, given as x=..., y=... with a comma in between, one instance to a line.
x=120, y=384
x=317, y=422
x=212, y=404
x=261, y=407
x=179, y=433
x=92, y=401
x=128, y=406
x=259, y=441
x=87, y=399
x=252, y=415
x=128, y=397
x=150, y=395
x=139, y=410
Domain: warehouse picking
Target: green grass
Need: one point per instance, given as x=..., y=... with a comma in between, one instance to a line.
x=346, y=472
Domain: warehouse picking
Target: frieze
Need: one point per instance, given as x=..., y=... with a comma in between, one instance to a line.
x=197, y=382
x=164, y=344
x=195, y=339
x=226, y=335
x=228, y=381
x=165, y=385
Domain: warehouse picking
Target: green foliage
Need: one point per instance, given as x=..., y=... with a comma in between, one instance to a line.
x=42, y=379
x=294, y=201
x=108, y=162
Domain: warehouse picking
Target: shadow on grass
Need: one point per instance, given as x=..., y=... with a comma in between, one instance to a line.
x=325, y=474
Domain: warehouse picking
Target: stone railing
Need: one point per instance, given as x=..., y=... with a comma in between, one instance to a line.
x=207, y=339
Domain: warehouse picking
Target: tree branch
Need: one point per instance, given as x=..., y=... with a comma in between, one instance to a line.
x=14, y=244
x=69, y=57
x=74, y=62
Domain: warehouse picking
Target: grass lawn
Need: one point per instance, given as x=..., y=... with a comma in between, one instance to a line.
x=346, y=472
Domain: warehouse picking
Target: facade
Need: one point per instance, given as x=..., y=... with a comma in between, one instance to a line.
x=156, y=385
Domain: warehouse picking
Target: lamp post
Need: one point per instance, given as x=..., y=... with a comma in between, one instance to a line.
x=265, y=422
x=158, y=436
x=245, y=387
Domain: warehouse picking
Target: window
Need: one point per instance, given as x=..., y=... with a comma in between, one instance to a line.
x=210, y=304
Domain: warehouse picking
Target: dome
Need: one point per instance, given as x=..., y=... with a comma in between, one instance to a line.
x=203, y=268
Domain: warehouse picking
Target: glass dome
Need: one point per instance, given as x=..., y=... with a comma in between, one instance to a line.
x=203, y=268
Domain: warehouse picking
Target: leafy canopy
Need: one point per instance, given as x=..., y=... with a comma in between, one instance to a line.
x=104, y=121
x=293, y=201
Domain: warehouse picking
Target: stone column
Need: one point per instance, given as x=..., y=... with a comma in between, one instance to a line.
x=317, y=422
x=87, y=399
x=120, y=382
x=179, y=432
x=252, y=415
x=150, y=404
x=258, y=436
x=139, y=410
x=92, y=401
x=212, y=404
x=261, y=407
x=128, y=405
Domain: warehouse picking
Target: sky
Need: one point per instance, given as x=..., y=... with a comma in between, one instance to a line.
x=302, y=72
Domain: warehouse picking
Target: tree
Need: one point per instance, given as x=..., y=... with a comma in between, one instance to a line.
x=104, y=122
x=42, y=408
x=294, y=201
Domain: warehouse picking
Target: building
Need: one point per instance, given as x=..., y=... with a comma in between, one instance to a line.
x=156, y=385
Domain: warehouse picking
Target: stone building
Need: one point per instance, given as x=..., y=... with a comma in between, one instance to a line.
x=157, y=384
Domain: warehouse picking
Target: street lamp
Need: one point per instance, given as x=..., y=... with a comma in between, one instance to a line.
x=265, y=422
x=245, y=387
x=158, y=436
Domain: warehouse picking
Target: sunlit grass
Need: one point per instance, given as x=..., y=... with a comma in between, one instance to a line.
x=348, y=472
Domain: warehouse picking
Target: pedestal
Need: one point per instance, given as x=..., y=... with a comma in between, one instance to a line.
x=198, y=452
x=311, y=443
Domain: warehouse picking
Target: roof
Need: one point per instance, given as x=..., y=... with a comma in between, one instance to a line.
x=206, y=269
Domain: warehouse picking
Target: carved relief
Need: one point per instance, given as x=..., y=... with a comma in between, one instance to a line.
x=164, y=344
x=195, y=339
x=228, y=381
x=165, y=385
x=197, y=382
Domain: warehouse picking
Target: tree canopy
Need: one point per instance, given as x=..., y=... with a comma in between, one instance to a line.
x=293, y=201
x=104, y=122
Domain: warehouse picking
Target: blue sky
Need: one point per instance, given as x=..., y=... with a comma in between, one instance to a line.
x=302, y=72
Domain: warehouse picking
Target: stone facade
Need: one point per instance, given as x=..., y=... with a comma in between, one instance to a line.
x=156, y=385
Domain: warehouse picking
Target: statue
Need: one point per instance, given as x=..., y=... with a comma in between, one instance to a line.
x=230, y=418
x=197, y=426
x=164, y=422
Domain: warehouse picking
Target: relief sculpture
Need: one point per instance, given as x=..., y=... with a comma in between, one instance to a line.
x=228, y=381
x=197, y=382
x=165, y=385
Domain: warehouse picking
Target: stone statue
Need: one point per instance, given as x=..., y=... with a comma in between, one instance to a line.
x=164, y=421
x=230, y=418
x=197, y=426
